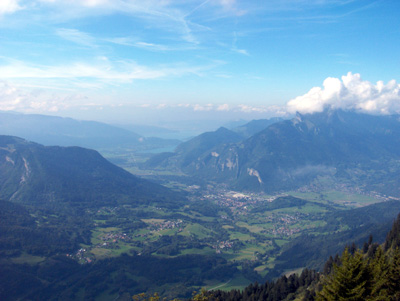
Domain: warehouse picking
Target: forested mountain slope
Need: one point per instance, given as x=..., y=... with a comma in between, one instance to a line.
x=187, y=154
x=255, y=126
x=31, y=173
x=346, y=147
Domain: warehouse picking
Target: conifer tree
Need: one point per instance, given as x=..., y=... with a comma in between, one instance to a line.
x=394, y=276
x=349, y=281
x=380, y=276
x=393, y=237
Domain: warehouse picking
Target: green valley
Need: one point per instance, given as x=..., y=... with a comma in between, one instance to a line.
x=252, y=235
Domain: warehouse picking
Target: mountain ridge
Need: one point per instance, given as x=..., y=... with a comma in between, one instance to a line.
x=64, y=131
x=47, y=175
x=291, y=153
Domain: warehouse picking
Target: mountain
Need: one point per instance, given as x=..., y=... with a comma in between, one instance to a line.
x=148, y=130
x=52, y=130
x=291, y=153
x=253, y=127
x=357, y=149
x=187, y=153
x=51, y=176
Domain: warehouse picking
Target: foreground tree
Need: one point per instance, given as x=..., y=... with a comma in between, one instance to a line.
x=349, y=281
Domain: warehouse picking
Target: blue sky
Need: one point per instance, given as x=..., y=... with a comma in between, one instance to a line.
x=134, y=61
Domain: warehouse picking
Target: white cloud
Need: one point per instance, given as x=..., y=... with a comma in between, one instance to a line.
x=207, y=107
x=99, y=69
x=250, y=109
x=224, y=107
x=168, y=16
x=241, y=51
x=162, y=106
x=349, y=93
x=17, y=99
x=9, y=6
x=76, y=36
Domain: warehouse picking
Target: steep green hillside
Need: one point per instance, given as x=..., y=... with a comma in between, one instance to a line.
x=188, y=154
x=34, y=174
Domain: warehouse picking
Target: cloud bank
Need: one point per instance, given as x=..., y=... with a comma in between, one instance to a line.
x=13, y=98
x=39, y=99
x=349, y=93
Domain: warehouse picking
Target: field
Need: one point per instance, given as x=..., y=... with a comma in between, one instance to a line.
x=249, y=231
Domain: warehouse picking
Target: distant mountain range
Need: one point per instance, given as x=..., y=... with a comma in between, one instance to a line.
x=52, y=130
x=188, y=152
x=253, y=127
x=52, y=176
x=357, y=149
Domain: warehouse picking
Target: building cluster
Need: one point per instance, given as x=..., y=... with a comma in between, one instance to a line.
x=219, y=246
x=80, y=256
x=285, y=231
x=114, y=237
x=159, y=226
x=282, y=224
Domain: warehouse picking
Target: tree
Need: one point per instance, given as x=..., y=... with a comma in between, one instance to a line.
x=394, y=276
x=393, y=237
x=380, y=276
x=349, y=281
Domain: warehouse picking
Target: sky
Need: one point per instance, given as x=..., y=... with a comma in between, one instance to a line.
x=157, y=62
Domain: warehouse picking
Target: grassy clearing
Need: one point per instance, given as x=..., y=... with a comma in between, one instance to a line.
x=203, y=251
x=238, y=282
x=95, y=237
x=251, y=228
x=28, y=259
x=101, y=253
x=153, y=220
x=240, y=236
x=247, y=253
x=262, y=270
x=281, y=242
x=195, y=229
x=339, y=197
x=111, y=251
x=168, y=232
x=296, y=271
x=108, y=229
x=99, y=221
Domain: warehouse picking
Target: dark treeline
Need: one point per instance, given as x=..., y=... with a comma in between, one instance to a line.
x=284, y=288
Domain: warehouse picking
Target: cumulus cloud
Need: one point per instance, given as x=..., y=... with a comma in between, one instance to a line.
x=350, y=92
x=9, y=6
